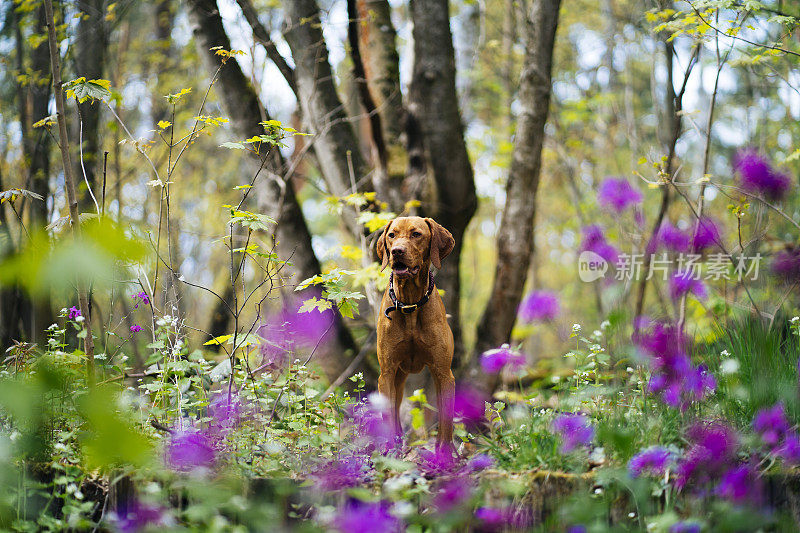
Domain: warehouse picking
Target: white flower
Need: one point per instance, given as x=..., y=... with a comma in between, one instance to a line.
x=100, y=356
x=729, y=366
x=14, y=435
x=398, y=483
x=795, y=319
x=379, y=401
x=605, y=324
x=79, y=318
x=576, y=328
x=630, y=370
x=556, y=379
x=597, y=333
x=402, y=509
x=724, y=353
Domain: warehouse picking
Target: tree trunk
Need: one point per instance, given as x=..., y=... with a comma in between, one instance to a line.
x=435, y=123
x=323, y=112
x=91, y=43
x=276, y=195
x=516, y=234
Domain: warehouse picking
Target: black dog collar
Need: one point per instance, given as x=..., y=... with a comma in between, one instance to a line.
x=407, y=309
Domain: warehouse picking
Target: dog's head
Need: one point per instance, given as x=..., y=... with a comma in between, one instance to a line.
x=408, y=243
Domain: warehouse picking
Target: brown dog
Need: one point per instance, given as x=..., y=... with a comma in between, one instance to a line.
x=412, y=325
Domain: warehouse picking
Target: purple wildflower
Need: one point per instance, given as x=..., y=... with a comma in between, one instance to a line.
x=452, y=494
x=492, y=519
x=366, y=517
x=437, y=462
x=372, y=422
x=685, y=527
x=493, y=361
x=579, y=528
x=74, y=313
x=706, y=236
x=225, y=411
x=574, y=429
x=771, y=423
x=341, y=473
x=672, y=238
x=713, y=448
x=139, y=516
x=470, y=404
x=617, y=194
x=190, y=450
x=136, y=328
x=786, y=264
x=539, y=306
x=653, y=461
x=595, y=241
x=740, y=484
x=479, y=462
x=757, y=176
x=685, y=282
x=291, y=330
x=140, y=296
x=789, y=451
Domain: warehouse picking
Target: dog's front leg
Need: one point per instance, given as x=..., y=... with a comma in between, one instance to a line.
x=445, y=399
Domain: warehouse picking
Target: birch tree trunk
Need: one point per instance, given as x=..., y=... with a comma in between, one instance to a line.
x=435, y=123
x=515, y=240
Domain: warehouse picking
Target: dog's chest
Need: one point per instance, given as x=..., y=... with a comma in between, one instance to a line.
x=411, y=346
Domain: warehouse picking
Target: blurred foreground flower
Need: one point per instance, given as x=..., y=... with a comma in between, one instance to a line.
x=453, y=494
x=502, y=519
x=712, y=451
x=339, y=473
x=470, y=404
x=436, y=463
x=771, y=423
x=682, y=283
x=672, y=238
x=617, y=194
x=575, y=430
x=685, y=527
x=706, y=236
x=653, y=461
x=595, y=241
x=290, y=331
x=539, y=306
x=190, y=450
x=786, y=265
x=740, y=484
x=493, y=361
x=757, y=176
x=366, y=517
x=372, y=421
x=140, y=516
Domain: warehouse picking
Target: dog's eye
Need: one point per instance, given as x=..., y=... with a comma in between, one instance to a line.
x=391, y=235
x=416, y=234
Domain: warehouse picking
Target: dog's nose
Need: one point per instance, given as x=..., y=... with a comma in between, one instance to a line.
x=397, y=251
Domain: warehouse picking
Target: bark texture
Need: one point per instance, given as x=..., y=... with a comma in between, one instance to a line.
x=323, y=112
x=434, y=123
x=515, y=239
x=276, y=195
x=91, y=46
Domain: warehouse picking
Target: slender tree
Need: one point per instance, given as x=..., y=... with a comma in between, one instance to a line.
x=434, y=123
x=515, y=241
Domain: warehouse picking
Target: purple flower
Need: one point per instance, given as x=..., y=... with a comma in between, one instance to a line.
x=493, y=519
x=437, y=462
x=372, y=421
x=493, y=361
x=291, y=330
x=757, y=176
x=672, y=238
x=141, y=296
x=136, y=329
x=786, y=265
x=595, y=241
x=574, y=429
x=190, y=450
x=789, y=451
x=225, y=411
x=340, y=473
x=140, y=516
x=685, y=527
x=479, y=462
x=740, y=484
x=771, y=423
x=470, y=404
x=712, y=449
x=539, y=306
x=617, y=194
x=577, y=529
x=706, y=236
x=653, y=461
x=366, y=517
x=453, y=493
x=74, y=313
x=685, y=282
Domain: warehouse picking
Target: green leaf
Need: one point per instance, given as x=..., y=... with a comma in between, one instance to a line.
x=83, y=90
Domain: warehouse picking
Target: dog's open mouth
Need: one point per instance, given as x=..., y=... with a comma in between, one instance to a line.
x=402, y=270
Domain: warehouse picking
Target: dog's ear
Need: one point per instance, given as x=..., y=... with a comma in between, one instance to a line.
x=442, y=242
x=380, y=247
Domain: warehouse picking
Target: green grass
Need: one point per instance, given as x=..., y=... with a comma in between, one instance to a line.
x=767, y=373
